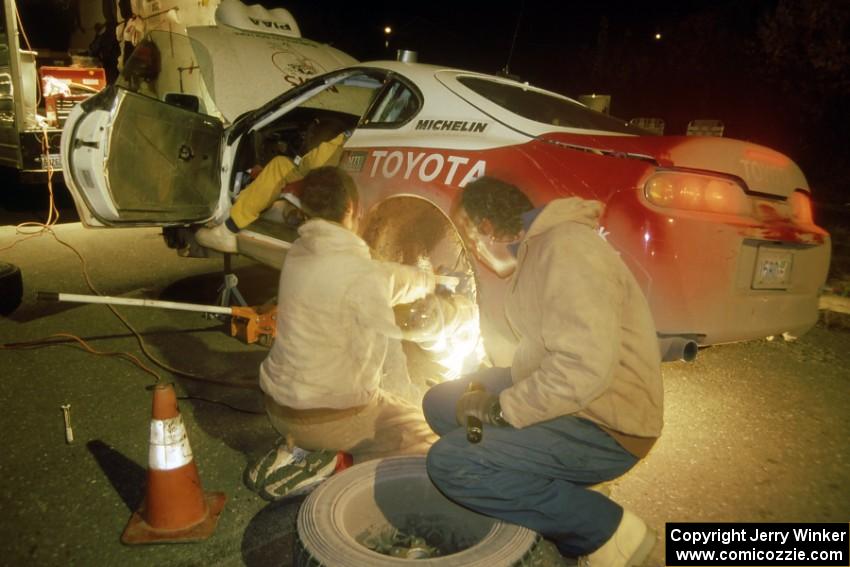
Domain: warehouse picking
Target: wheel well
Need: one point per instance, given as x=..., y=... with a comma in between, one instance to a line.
x=414, y=231
x=410, y=230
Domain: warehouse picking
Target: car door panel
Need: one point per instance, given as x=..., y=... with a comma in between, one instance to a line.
x=144, y=161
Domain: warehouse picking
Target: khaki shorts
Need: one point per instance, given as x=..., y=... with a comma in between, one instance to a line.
x=385, y=427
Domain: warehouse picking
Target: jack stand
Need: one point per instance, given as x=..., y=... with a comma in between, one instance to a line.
x=228, y=289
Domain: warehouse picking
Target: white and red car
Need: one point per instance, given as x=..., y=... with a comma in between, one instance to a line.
x=718, y=232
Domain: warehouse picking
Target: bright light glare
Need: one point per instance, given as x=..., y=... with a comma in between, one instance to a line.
x=388, y=30
x=449, y=330
x=458, y=348
x=658, y=36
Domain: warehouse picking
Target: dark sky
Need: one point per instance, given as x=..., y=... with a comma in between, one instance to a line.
x=776, y=72
x=570, y=47
x=477, y=34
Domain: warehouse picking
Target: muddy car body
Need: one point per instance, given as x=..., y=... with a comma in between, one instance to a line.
x=718, y=232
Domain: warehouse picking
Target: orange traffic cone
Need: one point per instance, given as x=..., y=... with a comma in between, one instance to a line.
x=175, y=508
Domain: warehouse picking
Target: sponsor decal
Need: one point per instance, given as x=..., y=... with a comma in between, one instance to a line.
x=353, y=161
x=452, y=126
x=296, y=68
x=427, y=167
x=269, y=24
x=759, y=175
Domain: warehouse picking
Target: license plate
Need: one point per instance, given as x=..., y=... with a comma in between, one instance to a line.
x=773, y=268
x=55, y=161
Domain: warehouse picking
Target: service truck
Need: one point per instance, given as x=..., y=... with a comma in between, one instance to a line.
x=40, y=82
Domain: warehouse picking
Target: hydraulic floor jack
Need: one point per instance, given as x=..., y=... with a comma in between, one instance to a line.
x=248, y=324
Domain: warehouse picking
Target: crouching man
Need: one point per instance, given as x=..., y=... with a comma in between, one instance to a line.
x=582, y=401
x=323, y=375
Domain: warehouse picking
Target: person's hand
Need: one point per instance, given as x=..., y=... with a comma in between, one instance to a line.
x=255, y=171
x=475, y=403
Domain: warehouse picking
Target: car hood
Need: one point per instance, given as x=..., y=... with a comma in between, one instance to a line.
x=243, y=70
x=762, y=169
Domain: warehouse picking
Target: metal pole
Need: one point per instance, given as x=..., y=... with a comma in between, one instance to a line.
x=79, y=298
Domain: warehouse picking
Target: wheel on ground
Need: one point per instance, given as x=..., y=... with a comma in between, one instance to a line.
x=340, y=523
x=11, y=288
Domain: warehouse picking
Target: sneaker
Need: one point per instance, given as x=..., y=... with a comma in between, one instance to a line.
x=301, y=476
x=279, y=457
x=628, y=547
x=218, y=238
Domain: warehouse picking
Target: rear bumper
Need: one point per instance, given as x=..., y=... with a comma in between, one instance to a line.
x=698, y=272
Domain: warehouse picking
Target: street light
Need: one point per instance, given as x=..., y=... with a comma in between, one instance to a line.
x=387, y=31
x=657, y=36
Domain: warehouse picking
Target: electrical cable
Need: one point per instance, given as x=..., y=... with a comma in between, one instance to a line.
x=46, y=227
x=140, y=340
x=47, y=342
x=21, y=28
x=219, y=402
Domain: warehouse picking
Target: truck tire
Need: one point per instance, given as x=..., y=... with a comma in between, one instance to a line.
x=11, y=288
x=391, y=493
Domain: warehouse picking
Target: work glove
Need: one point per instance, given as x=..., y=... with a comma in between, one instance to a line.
x=481, y=405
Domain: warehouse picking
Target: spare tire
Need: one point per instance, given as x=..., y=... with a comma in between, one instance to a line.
x=11, y=288
x=338, y=521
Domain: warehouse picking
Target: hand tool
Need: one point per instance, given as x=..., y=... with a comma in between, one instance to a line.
x=249, y=324
x=66, y=413
x=474, y=427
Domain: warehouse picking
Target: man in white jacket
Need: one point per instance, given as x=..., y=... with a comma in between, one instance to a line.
x=582, y=401
x=323, y=375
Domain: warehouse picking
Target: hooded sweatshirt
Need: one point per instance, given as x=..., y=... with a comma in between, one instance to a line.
x=587, y=341
x=334, y=319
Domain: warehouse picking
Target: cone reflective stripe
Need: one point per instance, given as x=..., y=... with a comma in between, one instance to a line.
x=175, y=508
x=169, y=448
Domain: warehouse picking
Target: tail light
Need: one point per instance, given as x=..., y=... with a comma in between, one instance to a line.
x=801, y=207
x=696, y=192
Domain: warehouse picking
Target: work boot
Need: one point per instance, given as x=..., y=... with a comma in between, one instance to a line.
x=301, y=476
x=218, y=238
x=628, y=547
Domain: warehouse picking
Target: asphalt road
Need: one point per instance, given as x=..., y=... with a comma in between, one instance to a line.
x=753, y=432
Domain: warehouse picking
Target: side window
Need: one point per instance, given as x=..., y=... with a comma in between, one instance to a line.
x=319, y=118
x=543, y=107
x=397, y=105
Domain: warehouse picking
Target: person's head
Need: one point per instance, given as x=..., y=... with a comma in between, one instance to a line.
x=495, y=207
x=329, y=193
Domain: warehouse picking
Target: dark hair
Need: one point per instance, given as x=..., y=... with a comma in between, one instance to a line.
x=327, y=192
x=501, y=203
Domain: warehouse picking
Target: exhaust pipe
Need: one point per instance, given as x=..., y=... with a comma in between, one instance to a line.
x=678, y=348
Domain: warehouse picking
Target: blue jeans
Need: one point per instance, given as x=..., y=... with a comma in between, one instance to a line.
x=535, y=477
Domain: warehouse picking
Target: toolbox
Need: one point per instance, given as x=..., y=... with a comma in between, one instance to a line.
x=81, y=83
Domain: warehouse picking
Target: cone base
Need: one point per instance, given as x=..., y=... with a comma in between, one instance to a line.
x=139, y=532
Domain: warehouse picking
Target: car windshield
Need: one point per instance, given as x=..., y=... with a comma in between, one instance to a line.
x=546, y=108
x=170, y=67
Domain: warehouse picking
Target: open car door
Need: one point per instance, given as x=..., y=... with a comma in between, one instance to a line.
x=147, y=151
x=133, y=160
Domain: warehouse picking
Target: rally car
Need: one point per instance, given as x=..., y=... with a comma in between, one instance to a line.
x=718, y=232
